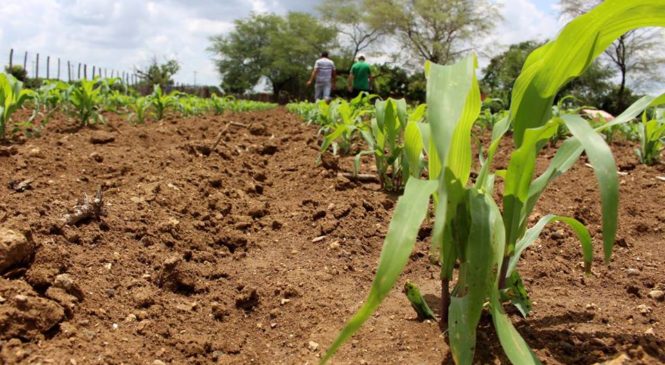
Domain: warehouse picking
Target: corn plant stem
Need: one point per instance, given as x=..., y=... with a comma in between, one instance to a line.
x=504, y=272
x=445, y=303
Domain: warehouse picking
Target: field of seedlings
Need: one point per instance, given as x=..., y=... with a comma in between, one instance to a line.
x=173, y=229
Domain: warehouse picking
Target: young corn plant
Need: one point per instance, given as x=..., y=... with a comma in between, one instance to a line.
x=471, y=235
x=86, y=101
x=12, y=97
x=348, y=121
x=49, y=98
x=218, y=104
x=488, y=118
x=395, y=140
x=161, y=101
x=139, y=110
x=651, y=134
x=309, y=112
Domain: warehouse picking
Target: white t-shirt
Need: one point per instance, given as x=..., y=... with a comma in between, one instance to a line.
x=325, y=67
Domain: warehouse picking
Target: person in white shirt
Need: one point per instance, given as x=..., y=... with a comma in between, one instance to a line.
x=324, y=72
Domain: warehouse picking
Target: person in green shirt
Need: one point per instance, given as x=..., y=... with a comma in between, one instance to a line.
x=359, y=77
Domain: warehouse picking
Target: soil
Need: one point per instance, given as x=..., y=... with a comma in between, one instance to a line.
x=253, y=253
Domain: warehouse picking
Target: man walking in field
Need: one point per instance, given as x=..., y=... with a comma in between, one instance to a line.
x=324, y=72
x=359, y=77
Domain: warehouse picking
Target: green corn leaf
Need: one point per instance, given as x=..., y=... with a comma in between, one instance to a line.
x=401, y=108
x=600, y=157
x=517, y=294
x=381, y=106
x=534, y=232
x=418, y=114
x=514, y=346
x=448, y=89
x=633, y=111
x=499, y=130
x=565, y=157
x=417, y=301
x=518, y=180
x=570, y=151
x=409, y=214
x=550, y=67
x=425, y=133
x=459, y=160
x=413, y=147
x=478, y=272
x=391, y=124
x=450, y=93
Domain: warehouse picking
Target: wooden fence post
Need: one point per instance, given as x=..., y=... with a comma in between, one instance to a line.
x=79, y=73
x=69, y=72
x=37, y=67
x=25, y=61
x=58, y=68
x=48, y=67
x=85, y=71
x=11, y=58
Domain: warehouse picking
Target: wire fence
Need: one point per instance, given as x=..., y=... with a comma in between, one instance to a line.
x=54, y=68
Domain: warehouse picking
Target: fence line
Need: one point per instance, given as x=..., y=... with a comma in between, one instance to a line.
x=129, y=78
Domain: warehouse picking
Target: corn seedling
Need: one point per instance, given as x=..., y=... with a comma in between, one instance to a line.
x=651, y=134
x=139, y=110
x=192, y=105
x=218, y=104
x=12, y=97
x=347, y=124
x=394, y=138
x=86, y=101
x=161, y=101
x=49, y=98
x=471, y=234
x=309, y=112
x=488, y=118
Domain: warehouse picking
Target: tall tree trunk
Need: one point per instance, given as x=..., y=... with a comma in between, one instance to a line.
x=621, y=98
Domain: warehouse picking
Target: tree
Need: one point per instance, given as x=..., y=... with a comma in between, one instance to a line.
x=437, y=30
x=280, y=49
x=394, y=81
x=241, y=52
x=502, y=71
x=18, y=72
x=158, y=74
x=349, y=19
x=593, y=87
x=638, y=55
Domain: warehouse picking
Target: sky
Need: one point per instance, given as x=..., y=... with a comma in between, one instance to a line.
x=128, y=34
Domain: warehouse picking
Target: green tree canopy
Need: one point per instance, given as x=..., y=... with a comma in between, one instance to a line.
x=394, y=81
x=159, y=74
x=349, y=18
x=281, y=49
x=437, y=30
x=593, y=88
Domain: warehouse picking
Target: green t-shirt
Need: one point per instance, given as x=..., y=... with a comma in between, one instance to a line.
x=360, y=71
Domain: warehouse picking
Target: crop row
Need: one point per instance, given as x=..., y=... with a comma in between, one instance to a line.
x=428, y=151
x=86, y=101
x=398, y=135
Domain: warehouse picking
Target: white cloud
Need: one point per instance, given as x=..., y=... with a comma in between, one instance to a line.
x=123, y=34
x=259, y=6
x=523, y=21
